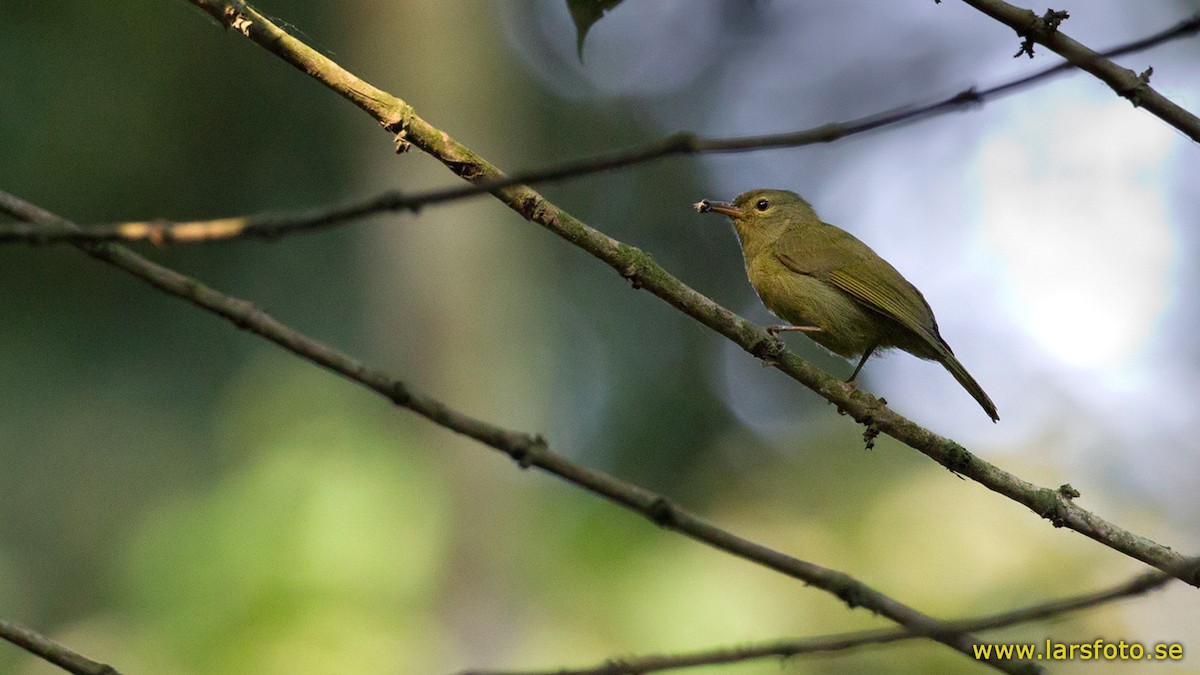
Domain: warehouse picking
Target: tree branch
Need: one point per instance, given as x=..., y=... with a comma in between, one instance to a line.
x=48, y=650
x=527, y=450
x=1126, y=83
x=262, y=226
x=1057, y=506
x=1143, y=583
x=272, y=226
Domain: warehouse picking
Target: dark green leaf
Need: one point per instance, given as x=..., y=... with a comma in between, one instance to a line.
x=585, y=13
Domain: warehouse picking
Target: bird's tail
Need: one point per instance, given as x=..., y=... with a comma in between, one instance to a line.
x=964, y=378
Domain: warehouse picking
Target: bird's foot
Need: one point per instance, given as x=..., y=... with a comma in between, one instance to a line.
x=776, y=347
x=777, y=344
x=849, y=386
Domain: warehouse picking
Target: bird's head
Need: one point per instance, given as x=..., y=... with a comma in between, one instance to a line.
x=761, y=215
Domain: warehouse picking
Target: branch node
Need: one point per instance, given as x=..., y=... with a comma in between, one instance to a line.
x=661, y=512
x=1051, y=505
x=535, y=209
x=870, y=432
x=399, y=126
x=236, y=20
x=768, y=349
x=243, y=315
x=967, y=97
x=526, y=450
x=633, y=272
x=159, y=234
x=468, y=170
x=683, y=142
x=400, y=142
x=522, y=458
x=395, y=200
x=1067, y=492
x=399, y=394
x=1052, y=19
x=958, y=460
x=1039, y=28
x=851, y=593
x=1134, y=93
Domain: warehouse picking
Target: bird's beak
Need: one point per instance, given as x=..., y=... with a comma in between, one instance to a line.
x=723, y=208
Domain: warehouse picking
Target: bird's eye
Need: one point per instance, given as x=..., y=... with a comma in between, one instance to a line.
x=762, y=205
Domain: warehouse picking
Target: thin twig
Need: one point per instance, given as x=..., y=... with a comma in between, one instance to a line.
x=1044, y=30
x=164, y=232
x=273, y=226
x=1138, y=585
x=640, y=269
x=527, y=450
x=48, y=650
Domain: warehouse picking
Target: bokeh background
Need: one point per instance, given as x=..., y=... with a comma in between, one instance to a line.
x=180, y=497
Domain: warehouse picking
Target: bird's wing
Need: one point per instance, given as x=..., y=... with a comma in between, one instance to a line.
x=878, y=287
x=886, y=299
x=880, y=294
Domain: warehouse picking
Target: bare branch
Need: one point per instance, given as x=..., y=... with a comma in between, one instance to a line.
x=272, y=226
x=164, y=232
x=48, y=650
x=1044, y=30
x=1057, y=506
x=1143, y=583
x=527, y=450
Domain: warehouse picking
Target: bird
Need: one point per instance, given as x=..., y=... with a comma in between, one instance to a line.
x=828, y=284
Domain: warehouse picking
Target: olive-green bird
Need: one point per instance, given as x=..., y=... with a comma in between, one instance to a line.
x=833, y=287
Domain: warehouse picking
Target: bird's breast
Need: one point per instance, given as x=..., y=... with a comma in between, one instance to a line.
x=847, y=328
